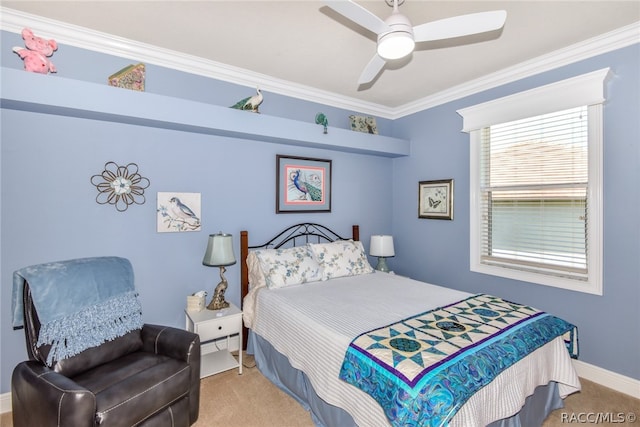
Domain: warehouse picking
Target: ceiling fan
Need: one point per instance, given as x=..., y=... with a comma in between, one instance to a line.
x=397, y=37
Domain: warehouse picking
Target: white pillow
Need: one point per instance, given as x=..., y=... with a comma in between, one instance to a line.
x=341, y=258
x=256, y=276
x=290, y=266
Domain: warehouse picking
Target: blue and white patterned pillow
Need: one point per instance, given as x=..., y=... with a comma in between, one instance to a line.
x=341, y=258
x=290, y=266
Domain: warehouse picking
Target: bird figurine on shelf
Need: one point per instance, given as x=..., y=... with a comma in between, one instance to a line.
x=321, y=119
x=250, y=103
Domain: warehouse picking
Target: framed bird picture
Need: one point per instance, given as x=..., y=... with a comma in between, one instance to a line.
x=178, y=212
x=435, y=199
x=302, y=184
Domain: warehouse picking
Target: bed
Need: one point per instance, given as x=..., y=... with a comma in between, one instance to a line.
x=340, y=338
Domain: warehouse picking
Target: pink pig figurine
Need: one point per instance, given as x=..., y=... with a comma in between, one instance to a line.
x=36, y=54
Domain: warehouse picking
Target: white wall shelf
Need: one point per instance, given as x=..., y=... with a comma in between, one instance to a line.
x=51, y=94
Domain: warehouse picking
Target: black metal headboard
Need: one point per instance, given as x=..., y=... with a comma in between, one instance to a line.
x=295, y=235
x=301, y=234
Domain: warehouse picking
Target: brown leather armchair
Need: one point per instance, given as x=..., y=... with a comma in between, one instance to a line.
x=148, y=377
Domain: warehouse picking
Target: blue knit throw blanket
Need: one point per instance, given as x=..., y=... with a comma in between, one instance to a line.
x=81, y=303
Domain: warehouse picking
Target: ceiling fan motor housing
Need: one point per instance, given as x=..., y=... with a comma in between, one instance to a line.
x=398, y=42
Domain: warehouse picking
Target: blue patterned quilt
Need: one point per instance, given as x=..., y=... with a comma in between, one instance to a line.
x=421, y=370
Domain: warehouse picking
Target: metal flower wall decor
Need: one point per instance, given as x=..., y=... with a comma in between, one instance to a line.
x=120, y=186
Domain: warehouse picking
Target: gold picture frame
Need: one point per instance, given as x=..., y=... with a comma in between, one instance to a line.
x=435, y=199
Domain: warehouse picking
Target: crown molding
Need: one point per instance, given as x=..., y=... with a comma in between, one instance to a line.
x=72, y=35
x=85, y=38
x=617, y=39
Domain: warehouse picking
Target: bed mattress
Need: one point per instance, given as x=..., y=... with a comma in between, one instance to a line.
x=312, y=325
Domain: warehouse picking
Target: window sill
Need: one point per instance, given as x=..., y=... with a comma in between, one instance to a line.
x=588, y=287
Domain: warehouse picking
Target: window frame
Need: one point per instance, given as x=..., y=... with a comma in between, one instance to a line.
x=587, y=89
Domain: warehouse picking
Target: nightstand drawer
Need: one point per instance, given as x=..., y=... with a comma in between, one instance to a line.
x=217, y=328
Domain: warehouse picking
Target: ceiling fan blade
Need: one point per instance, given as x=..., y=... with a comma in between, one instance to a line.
x=359, y=15
x=372, y=69
x=459, y=26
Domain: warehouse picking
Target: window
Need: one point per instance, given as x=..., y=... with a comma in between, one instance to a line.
x=536, y=184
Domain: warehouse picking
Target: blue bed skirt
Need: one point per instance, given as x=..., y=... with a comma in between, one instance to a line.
x=278, y=370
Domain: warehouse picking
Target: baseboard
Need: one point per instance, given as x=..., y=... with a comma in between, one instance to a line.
x=5, y=403
x=608, y=379
x=593, y=373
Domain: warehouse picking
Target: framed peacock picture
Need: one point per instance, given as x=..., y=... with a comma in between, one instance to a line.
x=303, y=184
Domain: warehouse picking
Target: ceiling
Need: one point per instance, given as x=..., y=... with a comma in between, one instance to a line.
x=306, y=43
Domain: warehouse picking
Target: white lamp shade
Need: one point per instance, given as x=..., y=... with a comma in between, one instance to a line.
x=381, y=246
x=219, y=251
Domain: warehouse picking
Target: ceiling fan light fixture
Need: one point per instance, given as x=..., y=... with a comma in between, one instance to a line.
x=395, y=45
x=397, y=37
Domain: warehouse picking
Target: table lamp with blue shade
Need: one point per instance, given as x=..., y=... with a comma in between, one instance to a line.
x=219, y=254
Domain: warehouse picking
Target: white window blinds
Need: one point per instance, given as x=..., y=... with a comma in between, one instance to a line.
x=536, y=184
x=534, y=180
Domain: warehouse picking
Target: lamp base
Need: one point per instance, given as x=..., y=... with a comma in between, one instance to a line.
x=382, y=265
x=218, y=302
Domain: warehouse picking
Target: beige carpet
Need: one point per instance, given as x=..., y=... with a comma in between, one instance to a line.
x=250, y=400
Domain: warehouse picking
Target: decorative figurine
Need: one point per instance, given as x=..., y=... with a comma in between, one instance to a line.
x=218, y=302
x=250, y=103
x=364, y=124
x=131, y=77
x=321, y=119
x=36, y=54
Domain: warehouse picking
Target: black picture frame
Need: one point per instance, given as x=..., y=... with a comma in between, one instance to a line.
x=303, y=184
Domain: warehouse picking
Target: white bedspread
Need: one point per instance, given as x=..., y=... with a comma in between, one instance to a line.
x=313, y=324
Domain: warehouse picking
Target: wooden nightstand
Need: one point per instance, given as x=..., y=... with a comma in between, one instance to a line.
x=211, y=325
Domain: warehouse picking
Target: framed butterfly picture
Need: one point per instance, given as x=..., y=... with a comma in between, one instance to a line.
x=435, y=199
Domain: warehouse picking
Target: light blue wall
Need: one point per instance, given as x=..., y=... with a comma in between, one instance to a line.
x=48, y=203
x=438, y=251
x=48, y=209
